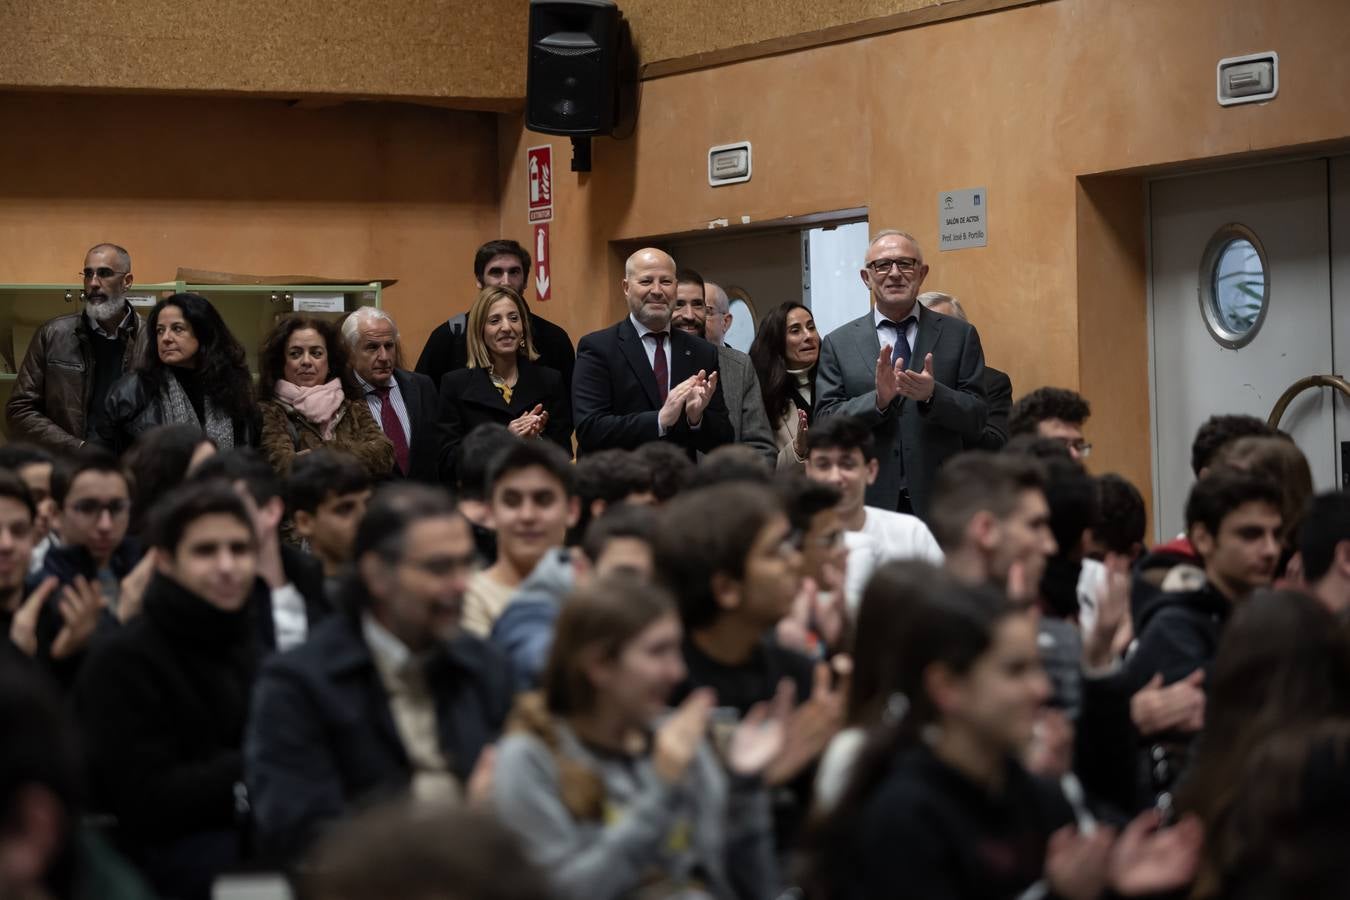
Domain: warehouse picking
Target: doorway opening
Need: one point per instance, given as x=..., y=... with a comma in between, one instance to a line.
x=813, y=260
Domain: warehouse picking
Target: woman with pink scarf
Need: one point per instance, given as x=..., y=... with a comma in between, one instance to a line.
x=309, y=399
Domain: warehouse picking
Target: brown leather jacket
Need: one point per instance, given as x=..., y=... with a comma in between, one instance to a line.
x=285, y=433
x=50, y=402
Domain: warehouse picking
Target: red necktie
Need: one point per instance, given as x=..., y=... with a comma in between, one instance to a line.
x=393, y=429
x=659, y=367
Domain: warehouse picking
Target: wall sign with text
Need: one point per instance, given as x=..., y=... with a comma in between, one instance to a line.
x=963, y=219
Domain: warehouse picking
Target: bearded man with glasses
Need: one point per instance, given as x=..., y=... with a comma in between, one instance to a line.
x=73, y=360
x=914, y=376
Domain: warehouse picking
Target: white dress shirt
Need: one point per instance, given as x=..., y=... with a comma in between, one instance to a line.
x=886, y=334
x=290, y=622
x=649, y=345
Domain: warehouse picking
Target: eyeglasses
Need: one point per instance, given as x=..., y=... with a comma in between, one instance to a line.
x=1080, y=446
x=102, y=272
x=791, y=544
x=883, y=266
x=94, y=510
x=441, y=566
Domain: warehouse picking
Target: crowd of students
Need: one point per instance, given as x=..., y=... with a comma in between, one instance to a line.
x=244, y=637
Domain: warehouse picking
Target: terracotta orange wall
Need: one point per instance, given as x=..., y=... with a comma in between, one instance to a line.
x=1024, y=102
x=362, y=190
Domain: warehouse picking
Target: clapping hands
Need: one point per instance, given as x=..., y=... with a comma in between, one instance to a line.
x=897, y=381
x=690, y=398
x=530, y=424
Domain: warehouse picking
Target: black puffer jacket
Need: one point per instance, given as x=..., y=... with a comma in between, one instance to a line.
x=134, y=407
x=163, y=702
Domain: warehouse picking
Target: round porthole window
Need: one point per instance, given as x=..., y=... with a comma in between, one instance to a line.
x=1234, y=285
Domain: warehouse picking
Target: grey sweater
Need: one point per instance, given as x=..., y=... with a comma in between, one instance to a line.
x=708, y=828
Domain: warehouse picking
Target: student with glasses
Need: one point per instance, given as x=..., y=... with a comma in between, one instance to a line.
x=73, y=360
x=82, y=579
x=1055, y=413
x=730, y=555
x=914, y=376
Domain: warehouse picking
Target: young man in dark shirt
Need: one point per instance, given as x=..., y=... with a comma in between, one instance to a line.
x=500, y=262
x=163, y=700
x=734, y=562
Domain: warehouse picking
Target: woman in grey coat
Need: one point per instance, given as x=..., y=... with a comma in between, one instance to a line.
x=614, y=795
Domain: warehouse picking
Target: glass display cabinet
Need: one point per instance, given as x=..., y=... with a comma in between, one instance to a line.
x=250, y=310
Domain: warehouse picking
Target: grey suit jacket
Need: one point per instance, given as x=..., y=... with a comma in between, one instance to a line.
x=745, y=403
x=913, y=440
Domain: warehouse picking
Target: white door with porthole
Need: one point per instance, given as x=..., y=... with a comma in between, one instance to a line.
x=1241, y=308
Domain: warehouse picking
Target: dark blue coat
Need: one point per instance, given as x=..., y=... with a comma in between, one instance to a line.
x=614, y=395
x=321, y=736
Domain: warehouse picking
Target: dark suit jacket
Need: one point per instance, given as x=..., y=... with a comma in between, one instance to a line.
x=913, y=440
x=614, y=397
x=424, y=445
x=447, y=350
x=998, y=388
x=468, y=400
x=321, y=737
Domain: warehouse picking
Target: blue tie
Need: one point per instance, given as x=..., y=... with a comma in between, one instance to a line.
x=901, y=349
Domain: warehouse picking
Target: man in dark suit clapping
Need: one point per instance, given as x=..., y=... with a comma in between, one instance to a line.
x=640, y=381
x=402, y=403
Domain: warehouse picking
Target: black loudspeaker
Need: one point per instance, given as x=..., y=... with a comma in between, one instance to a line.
x=572, y=79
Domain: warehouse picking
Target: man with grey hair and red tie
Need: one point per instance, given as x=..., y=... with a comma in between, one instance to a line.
x=403, y=403
x=915, y=376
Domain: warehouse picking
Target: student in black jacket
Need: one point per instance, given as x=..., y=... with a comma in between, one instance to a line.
x=289, y=598
x=1233, y=520
x=386, y=698
x=91, y=565
x=163, y=700
x=938, y=804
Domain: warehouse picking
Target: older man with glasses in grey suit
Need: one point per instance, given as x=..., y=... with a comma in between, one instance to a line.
x=914, y=375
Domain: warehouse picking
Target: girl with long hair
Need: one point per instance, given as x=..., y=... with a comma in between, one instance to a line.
x=614, y=795
x=191, y=371
x=938, y=804
x=1283, y=666
x=784, y=353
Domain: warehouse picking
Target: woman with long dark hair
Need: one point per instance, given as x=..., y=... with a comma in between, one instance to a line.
x=938, y=804
x=310, y=399
x=785, y=352
x=1283, y=667
x=615, y=796
x=892, y=591
x=191, y=371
